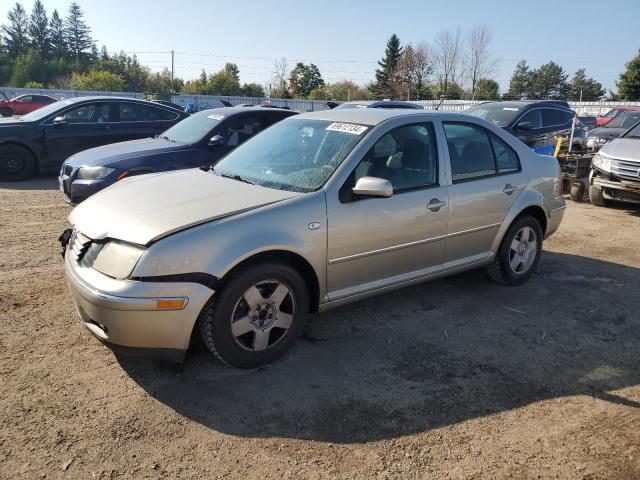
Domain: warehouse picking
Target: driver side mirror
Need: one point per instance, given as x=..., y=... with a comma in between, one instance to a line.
x=61, y=120
x=373, y=187
x=524, y=126
x=216, y=141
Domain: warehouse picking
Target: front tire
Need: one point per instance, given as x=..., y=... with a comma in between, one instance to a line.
x=596, y=198
x=6, y=112
x=16, y=163
x=577, y=191
x=257, y=316
x=519, y=252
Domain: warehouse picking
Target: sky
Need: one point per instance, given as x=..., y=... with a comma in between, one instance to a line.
x=345, y=38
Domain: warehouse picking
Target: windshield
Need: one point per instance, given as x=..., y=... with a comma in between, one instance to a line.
x=45, y=111
x=634, y=132
x=192, y=129
x=297, y=155
x=497, y=114
x=612, y=113
x=625, y=120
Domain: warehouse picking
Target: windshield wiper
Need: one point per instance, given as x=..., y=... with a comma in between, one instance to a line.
x=234, y=176
x=164, y=137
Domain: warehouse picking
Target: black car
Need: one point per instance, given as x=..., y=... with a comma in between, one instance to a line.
x=40, y=141
x=197, y=141
x=535, y=122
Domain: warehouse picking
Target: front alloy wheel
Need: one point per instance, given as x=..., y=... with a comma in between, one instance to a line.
x=256, y=316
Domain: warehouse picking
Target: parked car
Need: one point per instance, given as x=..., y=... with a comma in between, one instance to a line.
x=613, y=113
x=41, y=140
x=319, y=210
x=197, y=141
x=612, y=130
x=587, y=121
x=379, y=104
x=615, y=170
x=23, y=104
x=535, y=122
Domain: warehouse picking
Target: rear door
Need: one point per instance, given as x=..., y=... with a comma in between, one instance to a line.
x=86, y=126
x=23, y=105
x=487, y=178
x=134, y=120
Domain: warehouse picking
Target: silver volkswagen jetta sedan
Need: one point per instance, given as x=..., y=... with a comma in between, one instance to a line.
x=319, y=210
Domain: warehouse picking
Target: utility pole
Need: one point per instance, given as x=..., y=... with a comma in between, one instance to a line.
x=172, y=69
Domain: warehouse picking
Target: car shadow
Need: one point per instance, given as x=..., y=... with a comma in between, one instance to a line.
x=424, y=357
x=43, y=181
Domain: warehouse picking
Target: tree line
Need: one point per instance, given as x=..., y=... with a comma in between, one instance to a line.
x=56, y=51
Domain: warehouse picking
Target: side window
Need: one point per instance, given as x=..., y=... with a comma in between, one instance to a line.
x=133, y=112
x=406, y=156
x=534, y=117
x=469, y=150
x=241, y=128
x=26, y=99
x=91, y=113
x=506, y=158
x=552, y=117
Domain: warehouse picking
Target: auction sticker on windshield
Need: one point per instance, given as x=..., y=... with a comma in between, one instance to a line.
x=346, y=128
x=215, y=116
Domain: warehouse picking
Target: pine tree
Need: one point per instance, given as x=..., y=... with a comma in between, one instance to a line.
x=57, y=37
x=520, y=83
x=16, y=34
x=78, y=34
x=583, y=88
x=39, y=29
x=629, y=84
x=382, y=88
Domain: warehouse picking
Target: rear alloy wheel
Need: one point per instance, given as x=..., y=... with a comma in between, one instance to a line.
x=257, y=315
x=519, y=252
x=16, y=163
x=6, y=112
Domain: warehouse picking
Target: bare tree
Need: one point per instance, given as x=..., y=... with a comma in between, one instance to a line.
x=423, y=65
x=280, y=76
x=480, y=61
x=448, y=57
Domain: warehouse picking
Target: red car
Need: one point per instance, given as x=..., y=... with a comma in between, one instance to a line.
x=614, y=112
x=23, y=104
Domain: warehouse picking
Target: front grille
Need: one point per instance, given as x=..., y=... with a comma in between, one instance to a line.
x=79, y=244
x=626, y=169
x=68, y=169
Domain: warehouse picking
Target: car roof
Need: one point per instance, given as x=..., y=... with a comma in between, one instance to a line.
x=90, y=98
x=527, y=103
x=373, y=103
x=374, y=116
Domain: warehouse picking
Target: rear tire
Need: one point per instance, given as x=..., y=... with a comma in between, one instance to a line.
x=519, y=252
x=256, y=316
x=577, y=191
x=6, y=112
x=596, y=198
x=16, y=163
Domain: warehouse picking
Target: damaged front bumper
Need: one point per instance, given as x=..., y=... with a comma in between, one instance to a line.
x=615, y=188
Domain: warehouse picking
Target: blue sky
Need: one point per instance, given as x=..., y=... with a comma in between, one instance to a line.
x=345, y=38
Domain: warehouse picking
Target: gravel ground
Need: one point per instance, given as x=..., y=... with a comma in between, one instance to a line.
x=457, y=378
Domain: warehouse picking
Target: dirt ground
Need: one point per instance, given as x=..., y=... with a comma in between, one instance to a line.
x=457, y=378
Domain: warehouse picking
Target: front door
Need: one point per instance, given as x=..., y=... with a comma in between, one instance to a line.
x=85, y=126
x=486, y=180
x=377, y=242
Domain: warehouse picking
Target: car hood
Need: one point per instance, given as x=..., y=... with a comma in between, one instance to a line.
x=623, y=149
x=607, y=132
x=115, y=152
x=146, y=208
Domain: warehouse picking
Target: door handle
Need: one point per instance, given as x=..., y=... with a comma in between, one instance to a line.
x=509, y=189
x=434, y=204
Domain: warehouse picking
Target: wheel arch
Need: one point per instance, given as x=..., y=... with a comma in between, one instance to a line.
x=35, y=157
x=287, y=257
x=532, y=206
